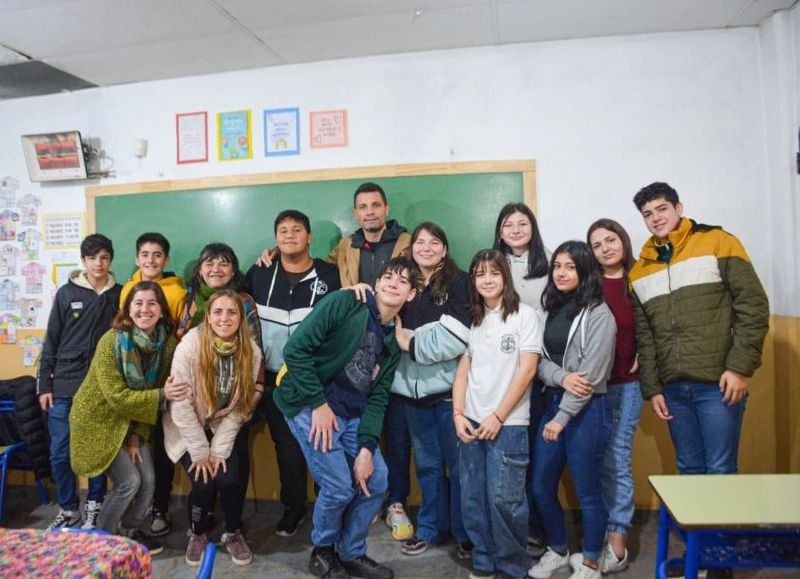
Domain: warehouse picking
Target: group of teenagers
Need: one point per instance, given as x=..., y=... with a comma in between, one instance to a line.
x=497, y=378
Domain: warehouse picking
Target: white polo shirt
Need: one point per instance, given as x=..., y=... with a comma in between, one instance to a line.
x=494, y=349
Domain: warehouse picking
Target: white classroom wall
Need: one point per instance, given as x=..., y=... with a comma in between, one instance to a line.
x=712, y=112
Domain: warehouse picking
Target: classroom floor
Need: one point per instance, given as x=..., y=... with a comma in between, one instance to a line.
x=288, y=557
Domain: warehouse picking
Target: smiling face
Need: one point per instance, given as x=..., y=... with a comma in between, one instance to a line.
x=145, y=311
x=516, y=232
x=151, y=261
x=224, y=318
x=607, y=248
x=97, y=267
x=292, y=238
x=371, y=212
x=489, y=283
x=393, y=289
x=662, y=217
x=565, y=274
x=216, y=272
x=428, y=251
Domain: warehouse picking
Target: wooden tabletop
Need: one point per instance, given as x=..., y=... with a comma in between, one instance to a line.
x=750, y=501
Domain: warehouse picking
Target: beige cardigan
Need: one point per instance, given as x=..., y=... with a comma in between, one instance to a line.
x=183, y=428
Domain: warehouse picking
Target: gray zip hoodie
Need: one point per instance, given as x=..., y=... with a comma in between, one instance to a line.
x=590, y=349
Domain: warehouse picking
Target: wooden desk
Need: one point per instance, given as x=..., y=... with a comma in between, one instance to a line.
x=729, y=520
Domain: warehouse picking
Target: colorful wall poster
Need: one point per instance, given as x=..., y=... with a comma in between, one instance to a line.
x=9, y=294
x=191, y=131
x=8, y=260
x=29, y=308
x=234, y=136
x=281, y=132
x=328, y=128
x=8, y=191
x=62, y=230
x=33, y=273
x=29, y=240
x=8, y=225
x=29, y=208
x=8, y=329
x=31, y=349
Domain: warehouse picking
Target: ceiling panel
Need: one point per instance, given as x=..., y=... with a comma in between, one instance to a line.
x=67, y=28
x=756, y=11
x=280, y=14
x=383, y=34
x=167, y=59
x=534, y=20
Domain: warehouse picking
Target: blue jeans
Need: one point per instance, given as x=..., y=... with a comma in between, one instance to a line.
x=67, y=492
x=704, y=430
x=495, y=508
x=535, y=525
x=581, y=445
x=398, y=450
x=342, y=514
x=433, y=436
x=625, y=401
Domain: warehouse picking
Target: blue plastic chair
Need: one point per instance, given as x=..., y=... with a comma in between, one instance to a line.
x=207, y=565
x=6, y=452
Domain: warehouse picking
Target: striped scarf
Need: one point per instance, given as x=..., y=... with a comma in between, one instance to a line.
x=139, y=356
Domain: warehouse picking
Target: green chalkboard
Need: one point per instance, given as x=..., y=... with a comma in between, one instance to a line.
x=465, y=204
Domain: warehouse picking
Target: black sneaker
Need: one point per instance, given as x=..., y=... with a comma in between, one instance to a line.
x=369, y=568
x=464, y=550
x=414, y=546
x=325, y=563
x=160, y=523
x=536, y=547
x=147, y=542
x=291, y=519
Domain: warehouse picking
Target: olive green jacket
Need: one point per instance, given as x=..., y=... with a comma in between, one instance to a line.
x=104, y=410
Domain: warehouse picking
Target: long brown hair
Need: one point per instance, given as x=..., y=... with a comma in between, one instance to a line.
x=244, y=384
x=123, y=320
x=447, y=270
x=627, y=249
x=510, y=298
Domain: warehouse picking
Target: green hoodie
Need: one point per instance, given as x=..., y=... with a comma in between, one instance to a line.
x=320, y=347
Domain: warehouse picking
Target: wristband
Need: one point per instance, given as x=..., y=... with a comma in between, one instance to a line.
x=498, y=418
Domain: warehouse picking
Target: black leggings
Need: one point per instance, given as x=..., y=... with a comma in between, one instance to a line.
x=229, y=485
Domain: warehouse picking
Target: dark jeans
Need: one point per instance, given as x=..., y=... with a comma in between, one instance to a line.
x=398, y=451
x=436, y=457
x=203, y=496
x=164, y=469
x=582, y=446
x=58, y=426
x=535, y=525
x=291, y=462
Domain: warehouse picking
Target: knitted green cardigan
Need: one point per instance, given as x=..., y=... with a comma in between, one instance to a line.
x=105, y=409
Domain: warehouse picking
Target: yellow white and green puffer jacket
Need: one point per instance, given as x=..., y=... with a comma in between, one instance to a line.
x=702, y=313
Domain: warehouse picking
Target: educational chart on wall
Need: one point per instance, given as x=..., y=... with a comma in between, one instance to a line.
x=32, y=244
x=328, y=128
x=281, y=132
x=192, y=137
x=234, y=136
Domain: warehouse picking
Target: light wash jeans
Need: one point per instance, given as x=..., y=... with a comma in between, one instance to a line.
x=134, y=484
x=494, y=503
x=704, y=430
x=342, y=513
x=625, y=401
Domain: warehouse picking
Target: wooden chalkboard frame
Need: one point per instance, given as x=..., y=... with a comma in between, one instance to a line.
x=527, y=167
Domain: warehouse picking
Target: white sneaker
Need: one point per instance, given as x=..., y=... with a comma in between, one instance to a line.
x=585, y=572
x=91, y=513
x=549, y=564
x=609, y=563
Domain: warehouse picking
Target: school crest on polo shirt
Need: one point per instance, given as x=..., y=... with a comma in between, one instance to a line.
x=319, y=287
x=508, y=343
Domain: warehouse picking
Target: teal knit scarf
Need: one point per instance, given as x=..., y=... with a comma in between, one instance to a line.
x=139, y=356
x=200, y=298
